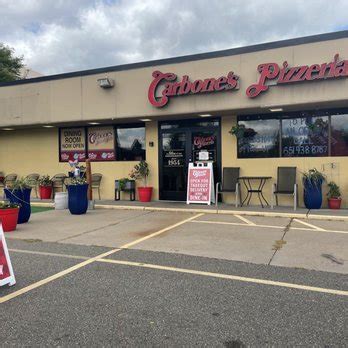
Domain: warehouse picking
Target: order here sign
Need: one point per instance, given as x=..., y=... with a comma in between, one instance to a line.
x=6, y=271
x=200, y=183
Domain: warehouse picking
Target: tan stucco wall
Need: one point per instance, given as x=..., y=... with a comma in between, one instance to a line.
x=81, y=99
x=36, y=151
x=268, y=167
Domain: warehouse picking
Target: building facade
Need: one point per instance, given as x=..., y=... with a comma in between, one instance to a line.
x=288, y=102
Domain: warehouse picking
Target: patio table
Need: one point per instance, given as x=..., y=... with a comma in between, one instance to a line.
x=247, y=181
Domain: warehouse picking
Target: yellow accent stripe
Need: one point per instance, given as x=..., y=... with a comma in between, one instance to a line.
x=228, y=277
x=89, y=261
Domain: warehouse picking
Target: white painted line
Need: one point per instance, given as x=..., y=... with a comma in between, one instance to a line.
x=309, y=225
x=229, y=277
x=33, y=252
x=89, y=261
x=247, y=221
x=126, y=246
x=268, y=226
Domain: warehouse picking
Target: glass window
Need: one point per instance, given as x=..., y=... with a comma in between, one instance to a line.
x=306, y=136
x=339, y=135
x=130, y=143
x=258, y=138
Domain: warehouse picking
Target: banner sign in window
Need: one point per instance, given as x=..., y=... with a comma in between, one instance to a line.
x=200, y=183
x=72, y=144
x=6, y=271
x=101, y=143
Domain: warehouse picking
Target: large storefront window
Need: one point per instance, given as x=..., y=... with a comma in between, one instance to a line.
x=305, y=137
x=259, y=138
x=305, y=134
x=339, y=135
x=130, y=143
x=102, y=143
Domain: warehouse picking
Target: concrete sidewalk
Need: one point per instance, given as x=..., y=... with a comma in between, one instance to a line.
x=279, y=241
x=301, y=213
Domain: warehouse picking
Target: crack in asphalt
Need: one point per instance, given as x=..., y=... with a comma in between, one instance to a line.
x=286, y=229
x=99, y=228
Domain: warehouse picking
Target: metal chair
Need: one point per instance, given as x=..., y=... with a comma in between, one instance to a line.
x=230, y=184
x=9, y=180
x=96, y=180
x=58, y=183
x=32, y=181
x=286, y=185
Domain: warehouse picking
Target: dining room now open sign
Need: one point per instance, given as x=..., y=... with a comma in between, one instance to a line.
x=6, y=271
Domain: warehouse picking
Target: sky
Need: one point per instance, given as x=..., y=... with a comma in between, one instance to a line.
x=57, y=36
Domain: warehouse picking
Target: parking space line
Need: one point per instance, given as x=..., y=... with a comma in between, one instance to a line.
x=228, y=277
x=269, y=226
x=247, y=221
x=91, y=260
x=33, y=252
x=309, y=225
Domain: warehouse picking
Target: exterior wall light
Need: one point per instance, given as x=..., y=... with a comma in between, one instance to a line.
x=276, y=109
x=48, y=126
x=106, y=82
x=93, y=123
x=205, y=115
x=145, y=119
x=7, y=129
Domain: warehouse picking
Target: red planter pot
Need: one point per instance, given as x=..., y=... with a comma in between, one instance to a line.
x=145, y=194
x=334, y=203
x=45, y=192
x=9, y=218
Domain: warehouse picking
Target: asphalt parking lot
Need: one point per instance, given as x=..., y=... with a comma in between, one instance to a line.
x=161, y=278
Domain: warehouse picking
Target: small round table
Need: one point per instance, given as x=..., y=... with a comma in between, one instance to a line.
x=247, y=181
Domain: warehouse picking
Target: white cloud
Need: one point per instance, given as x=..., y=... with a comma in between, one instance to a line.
x=61, y=35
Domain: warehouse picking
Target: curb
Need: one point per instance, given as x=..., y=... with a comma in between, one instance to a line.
x=227, y=212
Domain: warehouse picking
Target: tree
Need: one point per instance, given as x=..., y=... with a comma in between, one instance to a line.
x=10, y=65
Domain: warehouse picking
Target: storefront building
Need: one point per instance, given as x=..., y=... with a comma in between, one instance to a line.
x=289, y=100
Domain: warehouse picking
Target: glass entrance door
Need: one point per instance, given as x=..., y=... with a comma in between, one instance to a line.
x=181, y=143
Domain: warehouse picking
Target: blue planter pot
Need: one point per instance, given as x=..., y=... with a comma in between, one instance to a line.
x=313, y=197
x=21, y=197
x=78, y=202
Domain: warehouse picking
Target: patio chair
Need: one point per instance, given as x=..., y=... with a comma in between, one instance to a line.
x=58, y=183
x=286, y=185
x=33, y=180
x=96, y=180
x=230, y=184
x=9, y=180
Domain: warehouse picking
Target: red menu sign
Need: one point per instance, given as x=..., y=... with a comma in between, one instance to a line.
x=199, y=184
x=6, y=272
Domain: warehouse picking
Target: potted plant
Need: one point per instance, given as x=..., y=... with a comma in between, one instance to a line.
x=312, y=183
x=19, y=194
x=141, y=171
x=334, y=196
x=9, y=216
x=77, y=196
x=45, y=187
x=125, y=184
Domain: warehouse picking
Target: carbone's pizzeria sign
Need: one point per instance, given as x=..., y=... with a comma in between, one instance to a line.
x=165, y=85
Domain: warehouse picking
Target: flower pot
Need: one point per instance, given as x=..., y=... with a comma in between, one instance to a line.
x=21, y=197
x=77, y=199
x=144, y=194
x=312, y=194
x=334, y=203
x=9, y=218
x=45, y=192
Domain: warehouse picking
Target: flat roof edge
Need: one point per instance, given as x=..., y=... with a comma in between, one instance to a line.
x=187, y=58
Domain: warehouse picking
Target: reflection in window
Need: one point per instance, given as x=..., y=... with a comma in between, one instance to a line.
x=305, y=136
x=339, y=135
x=258, y=138
x=130, y=143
